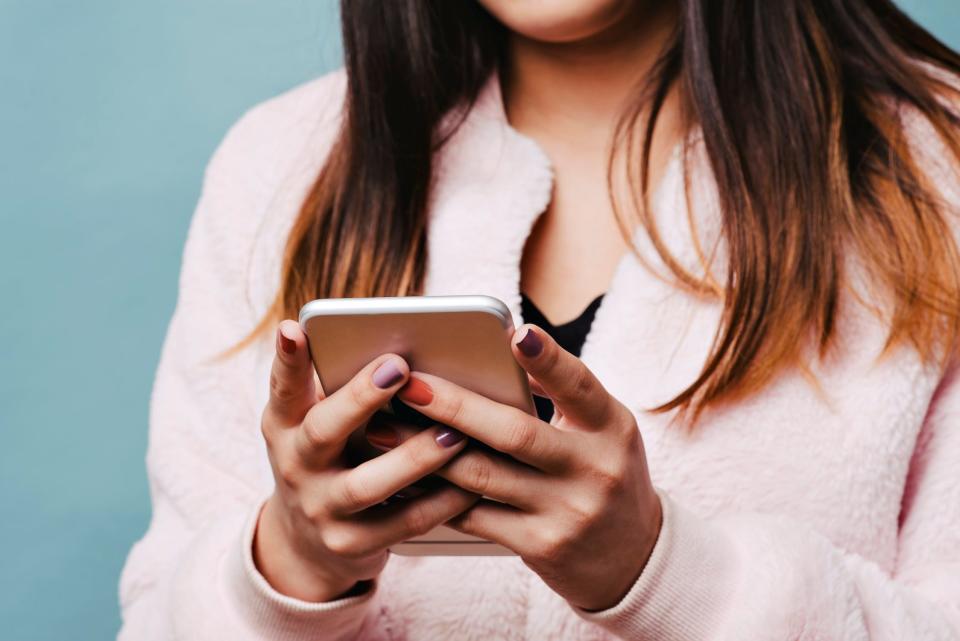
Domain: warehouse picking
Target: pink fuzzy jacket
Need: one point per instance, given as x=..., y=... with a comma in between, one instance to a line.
x=800, y=513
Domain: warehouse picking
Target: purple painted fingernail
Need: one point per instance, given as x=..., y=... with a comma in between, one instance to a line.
x=530, y=345
x=448, y=437
x=410, y=492
x=387, y=375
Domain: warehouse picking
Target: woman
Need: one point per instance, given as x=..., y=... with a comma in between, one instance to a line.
x=757, y=200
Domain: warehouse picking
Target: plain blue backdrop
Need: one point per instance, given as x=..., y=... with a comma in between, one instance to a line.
x=109, y=112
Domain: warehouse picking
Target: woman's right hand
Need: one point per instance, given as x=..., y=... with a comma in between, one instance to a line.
x=316, y=537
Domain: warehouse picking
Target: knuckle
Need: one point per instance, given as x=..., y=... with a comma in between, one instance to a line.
x=621, y=416
x=630, y=434
x=476, y=474
x=356, y=494
x=288, y=471
x=415, y=455
x=342, y=542
x=452, y=411
x=550, y=545
x=313, y=510
x=316, y=437
x=361, y=394
x=584, y=384
x=521, y=437
x=608, y=475
x=267, y=429
x=583, y=512
x=417, y=520
x=280, y=388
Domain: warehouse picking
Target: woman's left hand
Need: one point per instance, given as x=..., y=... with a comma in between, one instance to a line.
x=575, y=501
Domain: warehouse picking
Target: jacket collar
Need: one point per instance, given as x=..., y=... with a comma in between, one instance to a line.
x=491, y=185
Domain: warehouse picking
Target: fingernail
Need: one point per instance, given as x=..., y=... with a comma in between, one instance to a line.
x=448, y=437
x=288, y=345
x=387, y=375
x=530, y=345
x=383, y=436
x=416, y=392
x=410, y=492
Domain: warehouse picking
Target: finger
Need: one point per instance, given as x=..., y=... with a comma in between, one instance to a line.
x=497, y=478
x=385, y=432
x=538, y=391
x=381, y=477
x=327, y=425
x=535, y=387
x=497, y=523
x=500, y=426
x=373, y=530
x=293, y=389
x=569, y=383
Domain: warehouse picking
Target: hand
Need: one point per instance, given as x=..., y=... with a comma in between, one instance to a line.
x=323, y=530
x=575, y=501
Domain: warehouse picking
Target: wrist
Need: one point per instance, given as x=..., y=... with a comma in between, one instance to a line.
x=644, y=550
x=276, y=557
x=641, y=553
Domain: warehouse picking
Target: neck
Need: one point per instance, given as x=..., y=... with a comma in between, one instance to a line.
x=565, y=90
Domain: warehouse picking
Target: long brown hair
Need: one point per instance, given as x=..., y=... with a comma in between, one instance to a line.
x=797, y=101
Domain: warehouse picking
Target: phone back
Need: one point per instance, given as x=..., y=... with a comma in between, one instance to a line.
x=464, y=339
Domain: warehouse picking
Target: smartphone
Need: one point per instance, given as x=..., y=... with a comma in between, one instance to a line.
x=464, y=339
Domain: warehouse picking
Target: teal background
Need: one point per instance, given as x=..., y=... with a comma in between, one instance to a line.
x=109, y=110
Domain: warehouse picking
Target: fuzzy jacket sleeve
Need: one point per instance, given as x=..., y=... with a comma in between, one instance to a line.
x=774, y=578
x=192, y=575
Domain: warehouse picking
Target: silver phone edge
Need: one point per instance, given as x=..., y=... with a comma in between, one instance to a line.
x=407, y=305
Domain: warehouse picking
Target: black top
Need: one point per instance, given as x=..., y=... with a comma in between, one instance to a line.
x=569, y=335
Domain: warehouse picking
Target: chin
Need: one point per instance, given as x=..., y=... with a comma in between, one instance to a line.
x=560, y=21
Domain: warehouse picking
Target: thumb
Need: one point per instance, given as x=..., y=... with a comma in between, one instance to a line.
x=293, y=389
x=570, y=384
